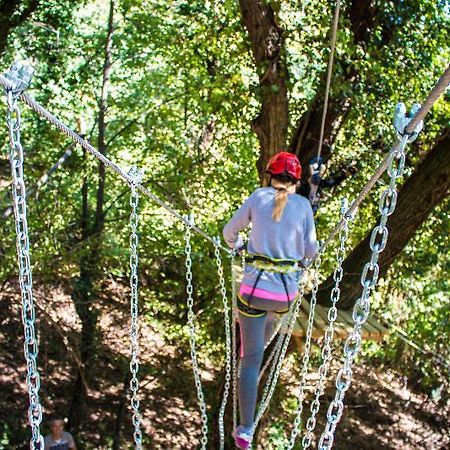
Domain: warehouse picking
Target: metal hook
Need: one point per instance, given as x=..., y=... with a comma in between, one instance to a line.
x=20, y=75
x=402, y=118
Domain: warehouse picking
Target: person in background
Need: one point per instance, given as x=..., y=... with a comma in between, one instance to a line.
x=59, y=439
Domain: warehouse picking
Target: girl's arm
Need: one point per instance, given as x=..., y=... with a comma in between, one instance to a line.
x=241, y=218
x=310, y=242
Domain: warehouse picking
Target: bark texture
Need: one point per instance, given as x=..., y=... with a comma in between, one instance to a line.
x=363, y=16
x=84, y=292
x=266, y=38
x=12, y=14
x=425, y=189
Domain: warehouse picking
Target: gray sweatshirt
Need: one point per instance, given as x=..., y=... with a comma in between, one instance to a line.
x=293, y=237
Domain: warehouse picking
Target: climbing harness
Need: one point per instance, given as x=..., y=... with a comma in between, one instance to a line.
x=269, y=264
x=136, y=175
x=263, y=264
x=20, y=76
x=192, y=334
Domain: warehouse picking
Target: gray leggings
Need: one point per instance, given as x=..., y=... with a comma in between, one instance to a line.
x=255, y=332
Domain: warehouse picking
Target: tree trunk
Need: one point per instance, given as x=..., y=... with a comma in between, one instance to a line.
x=84, y=295
x=363, y=17
x=426, y=188
x=12, y=14
x=266, y=39
x=121, y=410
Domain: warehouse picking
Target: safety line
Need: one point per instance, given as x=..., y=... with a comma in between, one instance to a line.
x=329, y=74
x=405, y=338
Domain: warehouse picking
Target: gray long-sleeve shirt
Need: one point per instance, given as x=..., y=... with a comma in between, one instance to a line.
x=293, y=237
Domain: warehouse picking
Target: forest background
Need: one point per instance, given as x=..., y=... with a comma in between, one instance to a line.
x=201, y=94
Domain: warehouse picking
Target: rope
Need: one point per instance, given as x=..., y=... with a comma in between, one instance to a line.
x=41, y=111
x=430, y=100
x=405, y=338
x=329, y=73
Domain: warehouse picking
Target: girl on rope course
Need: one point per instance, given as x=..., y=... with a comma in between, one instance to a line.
x=282, y=235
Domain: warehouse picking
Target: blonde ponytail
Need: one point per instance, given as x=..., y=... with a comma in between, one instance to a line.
x=281, y=198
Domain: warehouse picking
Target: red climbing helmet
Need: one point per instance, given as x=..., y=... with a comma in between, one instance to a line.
x=285, y=163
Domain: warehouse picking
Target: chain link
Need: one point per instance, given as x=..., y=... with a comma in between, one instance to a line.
x=307, y=352
x=134, y=309
x=283, y=344
x=326, y=352
x=30, y=345
x=361, y=310
x=192, y=336
x=226, y=315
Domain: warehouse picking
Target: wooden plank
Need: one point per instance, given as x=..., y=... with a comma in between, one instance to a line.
x=339, y=330
x=365, y=334
x=368, y=330
x=378, y=325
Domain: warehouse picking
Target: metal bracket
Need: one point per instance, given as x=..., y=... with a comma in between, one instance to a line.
x=402, y=119
x=136, y=175
x=316, y=167
x=20, y=75
x=349, y=215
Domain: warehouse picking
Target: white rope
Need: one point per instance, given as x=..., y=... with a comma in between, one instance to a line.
x=329, y=74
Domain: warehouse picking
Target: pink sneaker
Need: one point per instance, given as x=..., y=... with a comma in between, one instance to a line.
x=242, y=440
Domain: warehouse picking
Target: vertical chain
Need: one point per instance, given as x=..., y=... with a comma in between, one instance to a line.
x=30, y=346
x=307, y=352
x=234, y=360
x=192, y=336
x=361, y=309
x=134, y=309
x=326, y=353
x=279, y=358
x=226, y=315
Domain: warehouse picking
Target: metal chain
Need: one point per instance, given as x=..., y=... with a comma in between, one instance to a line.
x=326, y=352
x=192, y=336
x=134, y=309
x=30, y=346
x=278, y=362
x=226, y=316
x=307, y=352
x=361, y=309
x=234, y=359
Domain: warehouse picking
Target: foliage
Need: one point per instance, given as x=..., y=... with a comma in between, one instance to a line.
x=183, y=93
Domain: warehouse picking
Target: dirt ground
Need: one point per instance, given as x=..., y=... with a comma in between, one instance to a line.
x=381, y=412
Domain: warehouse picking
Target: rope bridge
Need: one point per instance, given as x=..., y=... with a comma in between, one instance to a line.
x=329, y=321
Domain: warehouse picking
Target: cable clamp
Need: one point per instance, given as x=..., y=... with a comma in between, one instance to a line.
x=348, y=213
x=20, y=75
x=135, y=175
x=402, y=118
